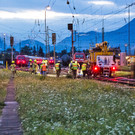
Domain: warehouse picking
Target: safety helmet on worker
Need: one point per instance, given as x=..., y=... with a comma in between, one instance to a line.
x=58, y=61
x=73, y=61
x=30, y=60
x=35, y=60
x=13, y=62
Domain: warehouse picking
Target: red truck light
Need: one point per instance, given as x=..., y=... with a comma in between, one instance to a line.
x=23, y=61
x=96, y=68
x=18, y=62
x=113, y=68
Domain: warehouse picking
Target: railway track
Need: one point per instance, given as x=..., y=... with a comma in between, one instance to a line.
x=121, y=80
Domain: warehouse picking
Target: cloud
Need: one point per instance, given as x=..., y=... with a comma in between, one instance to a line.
x=51, y=15
x=32, y=14
x=101, y=2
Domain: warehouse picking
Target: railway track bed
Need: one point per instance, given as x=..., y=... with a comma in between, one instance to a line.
x=121, y=80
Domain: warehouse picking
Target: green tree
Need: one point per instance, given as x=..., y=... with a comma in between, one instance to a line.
x=26, y=50
x=63, y=52
x=40, y=52
x=34, y=50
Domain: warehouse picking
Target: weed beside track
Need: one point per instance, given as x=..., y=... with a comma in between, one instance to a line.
x=4, y=79
x=61, y=106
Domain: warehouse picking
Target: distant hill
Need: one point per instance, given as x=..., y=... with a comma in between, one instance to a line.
x=117, y=38
x=30, y=43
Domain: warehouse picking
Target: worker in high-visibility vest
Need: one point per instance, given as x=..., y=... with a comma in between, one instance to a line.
x=70, y=65
x=35, y=67
x=84, y=68
x=13, y=68
x=89, y=70
x=30, y=65
x=58, y=68
x=74, y=69
x=43, y=69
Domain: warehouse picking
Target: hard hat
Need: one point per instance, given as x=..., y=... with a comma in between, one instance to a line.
x=73, y=61
x=58, y=61
x=30, y=59
x=35, y=60
x=13, y=62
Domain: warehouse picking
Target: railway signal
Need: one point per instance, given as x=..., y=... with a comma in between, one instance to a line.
x=70, y=27
x=53, y=38
x=54, y=42
x=11, y=43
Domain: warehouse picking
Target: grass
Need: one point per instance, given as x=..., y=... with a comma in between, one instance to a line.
x=63, y=106
x=122, y=73
x=4, y=79
x=124, y=68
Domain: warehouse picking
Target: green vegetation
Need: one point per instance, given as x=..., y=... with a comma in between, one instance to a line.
x=62, y=106
x=4, y=79
x=124, y=68
x=122, y=73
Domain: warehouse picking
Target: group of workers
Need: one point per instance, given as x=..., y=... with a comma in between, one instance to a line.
x=73, y=67
x=43, y=67
x=34, y=67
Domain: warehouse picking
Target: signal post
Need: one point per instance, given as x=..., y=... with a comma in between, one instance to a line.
x=54, y=42
x=70, y=27
x=11, y=43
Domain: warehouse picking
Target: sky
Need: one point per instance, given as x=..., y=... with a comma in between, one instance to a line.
x=24, y=19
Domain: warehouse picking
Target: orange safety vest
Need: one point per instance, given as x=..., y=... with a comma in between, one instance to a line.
x=43, y=67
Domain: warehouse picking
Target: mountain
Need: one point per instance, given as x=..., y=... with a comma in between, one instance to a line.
x=17, y=46
x=117, y=38
x=30, y=43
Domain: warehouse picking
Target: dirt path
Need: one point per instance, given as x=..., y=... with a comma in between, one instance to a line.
x=9, y=122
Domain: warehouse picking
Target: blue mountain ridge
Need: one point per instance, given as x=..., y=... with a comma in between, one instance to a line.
x=116, y=38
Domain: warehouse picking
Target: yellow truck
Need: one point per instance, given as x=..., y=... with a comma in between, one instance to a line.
x=102, y=60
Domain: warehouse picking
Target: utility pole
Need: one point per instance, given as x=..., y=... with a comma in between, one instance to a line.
x=72, y=43
x=129, y=49
x=46, y=8
x=96, y=35
x=126, y=49
x=4, y=43
x=11, y=43
x=103, y=30
x=54, y=42
x=20, y=47
x=48, y=42
x=129, y=31
x=45, y=34
x=4, y=50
